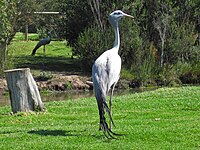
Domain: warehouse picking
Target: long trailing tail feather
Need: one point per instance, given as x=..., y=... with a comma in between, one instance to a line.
x=108, y=111
x=100, y=94
x=35, y=49
x=102, y=105
x=108, y=132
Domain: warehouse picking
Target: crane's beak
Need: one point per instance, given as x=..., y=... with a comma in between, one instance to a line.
x=126, y=15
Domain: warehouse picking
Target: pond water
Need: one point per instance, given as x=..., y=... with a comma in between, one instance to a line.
x=62, y=96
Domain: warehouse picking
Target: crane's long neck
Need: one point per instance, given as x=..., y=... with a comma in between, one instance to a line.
x=117, y=38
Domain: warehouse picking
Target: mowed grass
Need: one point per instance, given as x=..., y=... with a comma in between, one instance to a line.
x=167, y=118
x=57, y=59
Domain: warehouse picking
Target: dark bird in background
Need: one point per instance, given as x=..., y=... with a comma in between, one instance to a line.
x=42, y=42
x=105, y=74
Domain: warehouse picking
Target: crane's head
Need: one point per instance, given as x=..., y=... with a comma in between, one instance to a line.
x=49, y=34
x=116, y=15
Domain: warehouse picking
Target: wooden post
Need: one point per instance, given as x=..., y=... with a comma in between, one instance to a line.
x=24, y=93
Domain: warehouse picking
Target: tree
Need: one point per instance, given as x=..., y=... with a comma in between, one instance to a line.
x=76, y=16
x=7, y=12
x=13, y=17
x=161, y=23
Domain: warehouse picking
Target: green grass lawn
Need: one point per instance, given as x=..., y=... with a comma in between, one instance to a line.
x=167, y=118
x=57, y=59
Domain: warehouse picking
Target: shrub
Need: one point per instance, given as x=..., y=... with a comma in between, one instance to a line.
x=90, y=44
x=93, y=42
x=180, y=44
x=189, y=73
x=44, y=76
x=168, y=76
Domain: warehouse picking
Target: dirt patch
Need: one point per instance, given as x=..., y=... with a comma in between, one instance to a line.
x=65, y=82
x=58, y=83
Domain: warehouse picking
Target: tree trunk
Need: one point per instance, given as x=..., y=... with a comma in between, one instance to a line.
x=24, y=93
x=26, y=32
x=2, y=51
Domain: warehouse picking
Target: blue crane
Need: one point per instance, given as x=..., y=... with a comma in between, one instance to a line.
x=105, y=74
x=42, y=42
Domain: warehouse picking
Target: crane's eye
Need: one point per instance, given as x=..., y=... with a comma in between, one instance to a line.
x=117, y=13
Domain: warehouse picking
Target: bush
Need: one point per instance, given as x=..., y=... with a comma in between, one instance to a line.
x=189, y=73
x=180, y=44
x=147, y=71
x=90, y=44
x=93, y=42
x=168, y=76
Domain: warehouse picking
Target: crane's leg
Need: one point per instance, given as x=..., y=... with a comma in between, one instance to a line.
x=110, y=103
x=44, y=51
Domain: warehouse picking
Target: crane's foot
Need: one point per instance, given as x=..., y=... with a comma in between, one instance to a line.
x=107, y=131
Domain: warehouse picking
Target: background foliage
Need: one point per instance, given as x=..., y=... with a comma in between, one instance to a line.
x=163, y=37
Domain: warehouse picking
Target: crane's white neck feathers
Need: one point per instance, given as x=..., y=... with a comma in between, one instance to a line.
x=113, y=18
x=117, y=39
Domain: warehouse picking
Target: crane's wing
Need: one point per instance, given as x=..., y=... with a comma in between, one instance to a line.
x=113, y=66
x=107, y=69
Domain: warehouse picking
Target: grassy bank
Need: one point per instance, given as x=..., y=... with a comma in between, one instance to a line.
x=167, y=118
x=57, y=59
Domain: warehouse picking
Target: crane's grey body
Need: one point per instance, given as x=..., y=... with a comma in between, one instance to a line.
x=106, y=73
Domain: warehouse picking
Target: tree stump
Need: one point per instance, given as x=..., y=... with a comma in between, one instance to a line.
x=24, y=93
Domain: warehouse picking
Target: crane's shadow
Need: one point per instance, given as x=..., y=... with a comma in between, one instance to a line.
x=69, y=133
x=53, y=133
